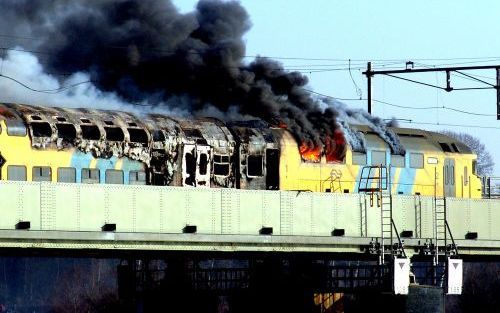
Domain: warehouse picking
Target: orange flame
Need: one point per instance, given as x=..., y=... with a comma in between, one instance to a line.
x=334, y=149
x=310, y=153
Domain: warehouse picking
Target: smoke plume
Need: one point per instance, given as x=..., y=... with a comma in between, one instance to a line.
x=146, y=51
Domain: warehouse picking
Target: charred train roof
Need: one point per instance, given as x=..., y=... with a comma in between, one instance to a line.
x=135, y=136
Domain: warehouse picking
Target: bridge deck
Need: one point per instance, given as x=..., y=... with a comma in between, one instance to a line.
x=72, y=216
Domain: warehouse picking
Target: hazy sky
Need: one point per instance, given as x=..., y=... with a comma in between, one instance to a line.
x=430, y=33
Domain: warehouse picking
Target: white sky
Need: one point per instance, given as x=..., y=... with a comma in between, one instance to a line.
x=421, y=31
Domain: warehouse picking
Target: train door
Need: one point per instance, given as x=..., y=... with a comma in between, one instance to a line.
x=196, y=165
x=272, y=169
x=449, y=178
x=202, y=166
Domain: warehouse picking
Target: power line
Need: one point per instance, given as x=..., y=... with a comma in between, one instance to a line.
x=49, y=91
x=451, y=125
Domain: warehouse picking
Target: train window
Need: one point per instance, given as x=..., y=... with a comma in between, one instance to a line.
x=466, y=176
x=452, y=175
x=358, y=158
x=16, y=172
x=137, y=178
x=132, y=124
x=474, y=167
x=203, y=164
x=455, y=148
x=398, y=160
x=66, y=131
x=60, y=119
x=114, y=134
x=416, y=160
x=66, y=175
x=254, y=165
x=41, y=129
x=158, y=135
x=90, y=175
x=110, y=123
x=90, y=132
x=378, y=158
x=41, y=173
x=114, y=177
x=36, y=118
x=85, y=120
x=221, y=165
x=138, y=135
x=445, y=147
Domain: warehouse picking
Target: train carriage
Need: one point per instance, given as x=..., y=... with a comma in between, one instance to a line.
x=97, y=146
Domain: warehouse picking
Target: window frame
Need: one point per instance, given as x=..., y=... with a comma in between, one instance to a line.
x=89, y=180
x=248, y=165
x=221, y=162
x=136, y=173
x=378, y=151
x=59, y=174
x=41, y=168
x=17, y=166
x=359, y=154
x=110, y=170
x=421, y=157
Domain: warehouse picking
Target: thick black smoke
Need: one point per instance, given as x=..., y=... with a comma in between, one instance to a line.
x=146, y=49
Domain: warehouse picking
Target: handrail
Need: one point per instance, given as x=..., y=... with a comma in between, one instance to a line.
x=399, y=237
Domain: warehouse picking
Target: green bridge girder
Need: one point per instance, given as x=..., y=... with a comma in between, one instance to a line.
x=71, y=216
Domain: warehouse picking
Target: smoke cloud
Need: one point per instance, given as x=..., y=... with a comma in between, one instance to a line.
x=146, y=51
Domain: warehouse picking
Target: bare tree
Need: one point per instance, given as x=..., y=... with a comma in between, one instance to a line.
x=485, y=163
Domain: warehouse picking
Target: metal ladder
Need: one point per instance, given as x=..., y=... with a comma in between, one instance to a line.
x=376, y=181
x=441, y=226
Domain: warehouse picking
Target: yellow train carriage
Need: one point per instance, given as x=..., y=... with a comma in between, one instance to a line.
x=433, y=164
x=23, y=162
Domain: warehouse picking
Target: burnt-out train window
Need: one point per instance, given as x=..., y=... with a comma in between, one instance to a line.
x=85, y=120
x=137, y=178
x=41, y=173
x=90, y=132
x=221, y=165
x=36, y=118
x=41, y=129
x=16, y=172
x=90, y=175
x=138, y=135
x=66, y=175
x=158, y=135
x=66, y=131
x=254, y=165
x=203, y=164
x=114, y=177
x=455, y=148
x=114, y=133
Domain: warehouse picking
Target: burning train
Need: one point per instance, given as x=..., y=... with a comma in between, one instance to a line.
x=96, y=146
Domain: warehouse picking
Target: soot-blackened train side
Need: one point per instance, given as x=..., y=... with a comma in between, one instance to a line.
x=96, y=146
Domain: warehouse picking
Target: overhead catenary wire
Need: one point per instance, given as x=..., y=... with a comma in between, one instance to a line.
x=49, y=91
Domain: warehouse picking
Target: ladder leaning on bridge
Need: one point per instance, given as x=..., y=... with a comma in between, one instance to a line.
x=376, y=181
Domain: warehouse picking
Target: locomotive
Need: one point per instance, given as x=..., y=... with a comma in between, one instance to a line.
x=112, y=147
